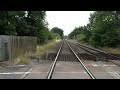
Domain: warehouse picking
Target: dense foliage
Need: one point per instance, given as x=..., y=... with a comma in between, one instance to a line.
x=57, y=30
x=102, y=30
x=24, y=23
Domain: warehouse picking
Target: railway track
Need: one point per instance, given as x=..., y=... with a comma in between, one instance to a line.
x=103, y=53
x=100, y=55
x=69, y=60
x=66, y=46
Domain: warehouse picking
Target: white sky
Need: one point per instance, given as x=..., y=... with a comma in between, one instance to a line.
x=67, y=20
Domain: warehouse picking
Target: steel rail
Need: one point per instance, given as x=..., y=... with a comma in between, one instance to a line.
x=53, y=64
x=80, y=46
x=86, y=50
x=87, y=70
x=100, y=51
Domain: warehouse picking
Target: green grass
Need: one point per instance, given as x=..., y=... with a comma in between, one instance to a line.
x=112, y=50
x=2, y=65
x=22, y=59
x=41, y=49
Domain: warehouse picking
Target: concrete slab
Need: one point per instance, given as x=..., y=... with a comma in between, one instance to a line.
x=13, y=72
x=69, y=70
x=40, y=71
x=110, y=68
x=67, y=75
x=97, y=70
x=102, y=75
x=37, y=75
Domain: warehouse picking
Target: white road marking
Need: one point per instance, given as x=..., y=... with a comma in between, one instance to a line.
x=70, y=72
x=95, y=65
x=13, y=73
x=22, y=65
x=45, y=72
x=37, y=72
x=21, y=72
x=17, y=66
x=109, y=65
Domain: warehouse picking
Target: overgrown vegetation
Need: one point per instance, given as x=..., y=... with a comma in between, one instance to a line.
x=57, y=32
x=103, y=30
x=29, y=23
x=112, y=50
x=25, y=23
x=41, y=49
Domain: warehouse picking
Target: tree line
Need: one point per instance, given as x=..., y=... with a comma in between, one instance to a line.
x=27, y=23
x=103, y=30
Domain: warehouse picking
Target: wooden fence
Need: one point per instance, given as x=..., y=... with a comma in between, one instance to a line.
x=22, y=44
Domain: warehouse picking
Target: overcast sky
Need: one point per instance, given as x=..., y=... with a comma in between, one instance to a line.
x=67, y=20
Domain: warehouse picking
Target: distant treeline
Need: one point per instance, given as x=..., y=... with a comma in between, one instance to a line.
x=27, y=23
x=103, y=29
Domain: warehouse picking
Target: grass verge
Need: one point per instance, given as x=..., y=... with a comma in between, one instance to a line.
x=112, y=50
x=41, y=49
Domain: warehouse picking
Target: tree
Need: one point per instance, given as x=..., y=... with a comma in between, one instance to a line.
x=56, y=36
x=9, y=21
x=81, y=33
x=57, y=30
x=75, y=32
x=105, y=28
x=24, y=23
